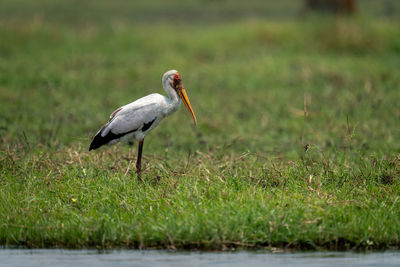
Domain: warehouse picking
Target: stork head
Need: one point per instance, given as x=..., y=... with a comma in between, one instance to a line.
x=174, y=80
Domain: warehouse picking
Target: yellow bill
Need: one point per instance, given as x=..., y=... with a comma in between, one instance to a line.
x=185, y=99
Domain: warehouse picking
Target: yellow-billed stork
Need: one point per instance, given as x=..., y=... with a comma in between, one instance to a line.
x=135, y=120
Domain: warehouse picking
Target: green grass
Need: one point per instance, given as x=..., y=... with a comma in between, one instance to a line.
x=256, y=172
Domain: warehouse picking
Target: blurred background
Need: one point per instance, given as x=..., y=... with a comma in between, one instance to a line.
x=78, y=13
x=262, y=76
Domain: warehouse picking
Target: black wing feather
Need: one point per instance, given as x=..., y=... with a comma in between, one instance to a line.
x=148, y=125
x=99, y=140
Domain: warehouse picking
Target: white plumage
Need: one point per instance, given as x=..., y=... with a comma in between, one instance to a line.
x=135, y=120
x=149, y=109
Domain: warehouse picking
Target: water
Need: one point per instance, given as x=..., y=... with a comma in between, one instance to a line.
x=87, y=258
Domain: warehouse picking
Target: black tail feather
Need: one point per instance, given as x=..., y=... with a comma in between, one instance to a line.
x=99, y=140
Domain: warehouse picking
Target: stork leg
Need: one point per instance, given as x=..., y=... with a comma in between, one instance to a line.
x=139, y=161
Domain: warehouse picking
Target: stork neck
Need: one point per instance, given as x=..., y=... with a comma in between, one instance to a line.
x=173, y=98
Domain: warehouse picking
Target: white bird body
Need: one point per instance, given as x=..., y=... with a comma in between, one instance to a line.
x=148, y=110
x=135, y=120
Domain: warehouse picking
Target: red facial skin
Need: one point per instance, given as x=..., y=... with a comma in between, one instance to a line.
x=180, y=90
x=177, y=80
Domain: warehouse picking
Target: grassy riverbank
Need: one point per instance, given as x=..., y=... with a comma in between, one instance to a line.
x=297, y=144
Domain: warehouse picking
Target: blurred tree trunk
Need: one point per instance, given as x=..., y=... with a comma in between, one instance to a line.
x=333, y=6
